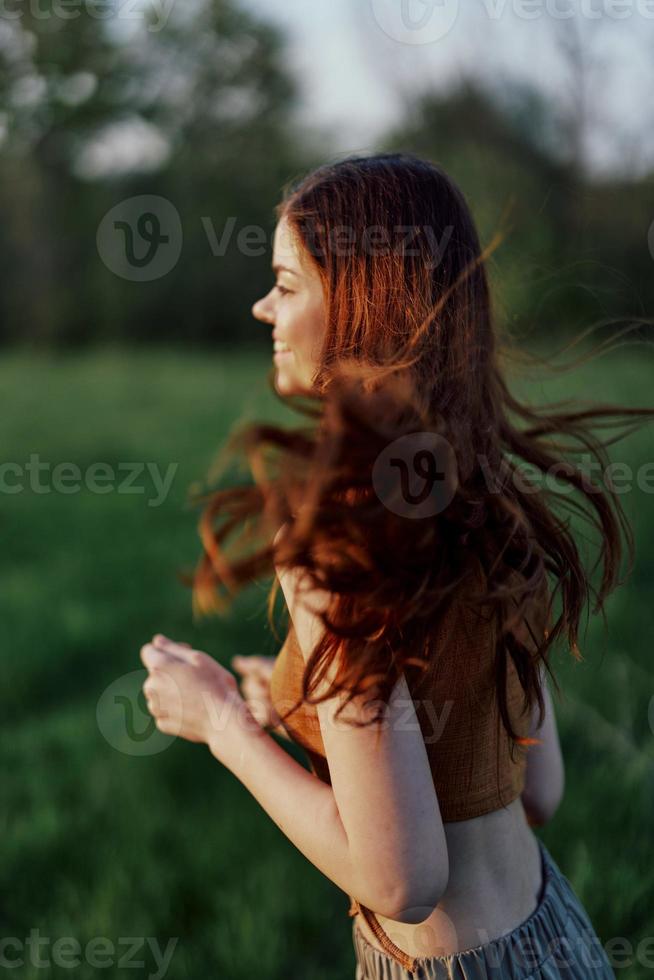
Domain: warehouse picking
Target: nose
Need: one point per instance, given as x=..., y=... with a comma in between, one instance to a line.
x=262, y=310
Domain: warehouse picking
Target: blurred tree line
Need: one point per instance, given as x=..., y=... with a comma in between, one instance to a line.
x=575, y=251
x=200, y=110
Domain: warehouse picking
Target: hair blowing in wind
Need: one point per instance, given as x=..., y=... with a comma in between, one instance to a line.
x=411, y=347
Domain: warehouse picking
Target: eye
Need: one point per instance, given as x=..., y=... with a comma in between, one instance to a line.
x=282, y=289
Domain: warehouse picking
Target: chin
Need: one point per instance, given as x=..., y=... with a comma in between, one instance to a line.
x=287, y=384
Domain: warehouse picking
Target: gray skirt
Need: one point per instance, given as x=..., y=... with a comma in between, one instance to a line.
x=556, y=941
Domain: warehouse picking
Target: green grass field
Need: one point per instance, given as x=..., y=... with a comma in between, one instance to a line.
x=100, y=842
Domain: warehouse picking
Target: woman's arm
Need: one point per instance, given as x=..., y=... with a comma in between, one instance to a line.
x=192, y=696
x=376, y=832
x=545, y=773
x=382, y=787
x=304, y=808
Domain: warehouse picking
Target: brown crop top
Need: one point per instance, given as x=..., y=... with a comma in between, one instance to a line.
x=456, y=705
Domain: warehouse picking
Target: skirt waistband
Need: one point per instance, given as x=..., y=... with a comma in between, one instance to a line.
x=516, y=955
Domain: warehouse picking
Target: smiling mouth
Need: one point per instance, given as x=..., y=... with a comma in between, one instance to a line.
x=280, y=347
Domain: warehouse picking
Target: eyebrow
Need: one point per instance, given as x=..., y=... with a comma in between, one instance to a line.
x=284, y=268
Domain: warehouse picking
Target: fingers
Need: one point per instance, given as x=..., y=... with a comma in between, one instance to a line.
x=181, y=651
x=254, y=687
x=259, y=712
x=152, y=699
x=253, y=666
x=155, y=657
x=152, y=657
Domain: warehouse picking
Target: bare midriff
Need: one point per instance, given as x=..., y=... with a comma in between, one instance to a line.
x=494, y=885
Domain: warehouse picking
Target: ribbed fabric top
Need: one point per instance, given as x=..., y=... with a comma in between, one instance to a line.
x=456, y=705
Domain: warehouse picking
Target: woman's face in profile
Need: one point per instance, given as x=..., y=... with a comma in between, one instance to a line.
x=295, y=310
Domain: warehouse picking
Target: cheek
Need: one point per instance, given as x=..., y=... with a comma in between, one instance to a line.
x=294, y=325
x=305, y=356
x=306, y=332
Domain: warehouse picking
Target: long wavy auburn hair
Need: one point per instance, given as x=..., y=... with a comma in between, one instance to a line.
x=411, y=348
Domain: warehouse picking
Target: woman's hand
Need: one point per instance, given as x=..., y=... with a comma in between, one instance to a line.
x=256, y=672
x=191, y=695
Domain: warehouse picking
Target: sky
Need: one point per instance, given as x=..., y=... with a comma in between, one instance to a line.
x=355, y=58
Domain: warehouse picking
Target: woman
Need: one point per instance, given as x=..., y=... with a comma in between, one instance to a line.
x=414, y=557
